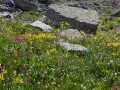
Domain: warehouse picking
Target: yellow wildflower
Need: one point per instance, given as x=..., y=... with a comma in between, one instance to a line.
x=75, y=36
x=49, y=21
x=17, y=80
x=114, y=23
x=52, y=83
x=116, y=38
x=53, y=50
x=21, y=81
x=83, y=33
x=1, y=76
x=118, y=19
x=41, y=62
x=48, y=52
x=30, y=37
x=4, y=72
x=114, y=54
x=9, y=28
x=108, y=39
x=43, y=35
x=76, y=56
x=38, y=37
x=67, y=24
x=66, y=55
x=1, y=17
x=117, y=44
x=62, y=22
x=95, y=38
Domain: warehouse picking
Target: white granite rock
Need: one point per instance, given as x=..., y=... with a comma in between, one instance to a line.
x=71, y=47
x=42, y=26
x=71, y=34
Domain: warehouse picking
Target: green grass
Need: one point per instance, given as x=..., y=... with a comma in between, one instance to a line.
x=31, y=59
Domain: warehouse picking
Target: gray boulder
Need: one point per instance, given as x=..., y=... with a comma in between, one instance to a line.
x=8, y=2
x=78, y=18
x=71, y=34
x=72, y=47
x=42, y=26
x=116, y=13
x=25, y=5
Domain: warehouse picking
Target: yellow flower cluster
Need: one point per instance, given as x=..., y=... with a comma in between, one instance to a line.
x=9, y=28
x=75, y=36
x=95, y=38
x=117, y=44
x=118, y=19
x=66, y=55
x=64, y=23
x=2, y=75
x=48, y=52
x=83, y=33
x=100, y=36
x=115, y=54
x=1, y=17
x=17, y=80
x=115, y=23
x=32, y=37
x=43, y=35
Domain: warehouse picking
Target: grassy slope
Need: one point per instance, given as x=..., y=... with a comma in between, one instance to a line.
x=34, y=62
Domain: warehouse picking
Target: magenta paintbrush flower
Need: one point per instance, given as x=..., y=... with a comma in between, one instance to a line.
x=1, y=69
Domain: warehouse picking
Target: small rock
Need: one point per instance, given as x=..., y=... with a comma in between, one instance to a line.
x=71, y=47
x=114, y=4
x=101, y=12
x=7, y=15
x=42, y=18
x=42, y=26
x=117, y=29
x=5, y=7
x=71, y=34
x=25, y=5
x=116, y=13
x=96, y=4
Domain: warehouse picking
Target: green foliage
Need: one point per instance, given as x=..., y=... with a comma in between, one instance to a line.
x=108, y=23
x=28, y=16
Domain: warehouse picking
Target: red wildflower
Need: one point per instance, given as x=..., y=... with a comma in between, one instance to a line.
x=29, y=80
x=115, y=86
x=21, y=39
x=62, y=78
x=42, y=71
x=24, y=67
x=60, y=60
x=41, y=80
